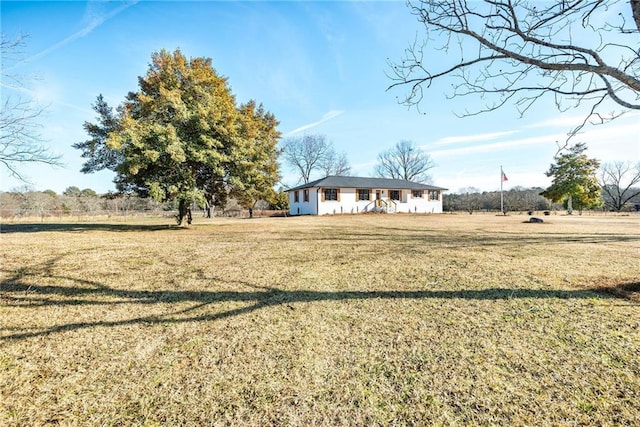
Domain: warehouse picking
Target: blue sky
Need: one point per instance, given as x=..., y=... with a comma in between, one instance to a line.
x=320, y=67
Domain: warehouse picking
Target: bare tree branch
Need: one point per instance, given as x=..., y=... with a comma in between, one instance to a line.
x=404, y=161
x=334, y=164
x=620, y=182
x=305, y=153
x=20, y=140
x=517, y=51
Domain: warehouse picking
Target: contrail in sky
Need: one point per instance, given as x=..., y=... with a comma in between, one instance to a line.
x=330, y=115
x=94, y=23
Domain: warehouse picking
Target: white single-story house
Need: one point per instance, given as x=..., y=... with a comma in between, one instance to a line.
x=350, y=194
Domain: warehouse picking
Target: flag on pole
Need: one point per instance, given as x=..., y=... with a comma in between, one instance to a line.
x=503, y=178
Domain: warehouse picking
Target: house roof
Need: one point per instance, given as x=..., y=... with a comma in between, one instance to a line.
x=363, y=182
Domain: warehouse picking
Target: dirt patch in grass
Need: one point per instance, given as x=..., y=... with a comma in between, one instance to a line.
x=342, y=320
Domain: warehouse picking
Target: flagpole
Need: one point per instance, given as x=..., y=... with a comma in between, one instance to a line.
x=501, y=195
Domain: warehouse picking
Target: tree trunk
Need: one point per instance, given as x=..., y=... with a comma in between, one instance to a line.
x=635, y=9
x=184, y=211
x=570, y=204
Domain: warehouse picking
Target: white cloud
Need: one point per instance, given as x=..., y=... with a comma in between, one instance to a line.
x=463, y=151
x=614, y=143
x=569, y=122
x=616, y=140
x=559, y=121
x=473, y=138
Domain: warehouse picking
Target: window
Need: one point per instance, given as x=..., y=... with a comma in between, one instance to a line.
x=363, y=194
x=330, y=194
x=434, y=195
x=395, y=194
x=296, y=196
x=416, y=194
x=306, y=195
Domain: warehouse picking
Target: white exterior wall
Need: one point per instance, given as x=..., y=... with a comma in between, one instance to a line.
x=348, y=204
x=302, y=207
x=420, y=204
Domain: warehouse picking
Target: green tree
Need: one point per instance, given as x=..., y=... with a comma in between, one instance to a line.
x=257, y=146
x=98, y=154
x=574, y=179
x=72, y=191
x=181, y=138
x=88, y=192
x=280, y=201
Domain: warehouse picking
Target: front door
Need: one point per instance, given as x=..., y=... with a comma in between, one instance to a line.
x=378, y=198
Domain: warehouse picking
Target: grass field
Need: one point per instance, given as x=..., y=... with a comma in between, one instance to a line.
x=345, y=320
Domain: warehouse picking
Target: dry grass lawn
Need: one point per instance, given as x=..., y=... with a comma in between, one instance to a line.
x=345, y=320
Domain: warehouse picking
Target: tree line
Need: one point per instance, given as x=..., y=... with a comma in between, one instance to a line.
x=519, y=199
x=73, y=201
x=26, y=202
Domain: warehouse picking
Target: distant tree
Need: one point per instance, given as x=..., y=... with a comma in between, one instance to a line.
x=9, y=204
x=620, y=183
x=471, y=199
x=529, y=199
x=90, y=201
x=280, y=201
x=516, y=199
x=334, y=164
x=305, y=153
x=520, y=199
x=404, y=161
x=574, y=179
x=181, y=138
x=72, y=191
x=311, y=153
x=33, y=203
x=88, y=192
x=503, y=51
x=20, y=140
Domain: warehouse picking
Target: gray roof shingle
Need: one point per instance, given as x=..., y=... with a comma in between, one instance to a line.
x=363, y=182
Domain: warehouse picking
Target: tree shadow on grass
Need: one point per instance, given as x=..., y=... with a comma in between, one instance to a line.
x=630, y=290
x=78, y=227
x=15, y=294
x=423, y=238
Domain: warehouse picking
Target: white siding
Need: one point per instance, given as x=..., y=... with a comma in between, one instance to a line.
x=302, y=207
x=348, y=204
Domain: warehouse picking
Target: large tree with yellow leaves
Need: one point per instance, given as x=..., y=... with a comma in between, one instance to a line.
x=182, y=137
